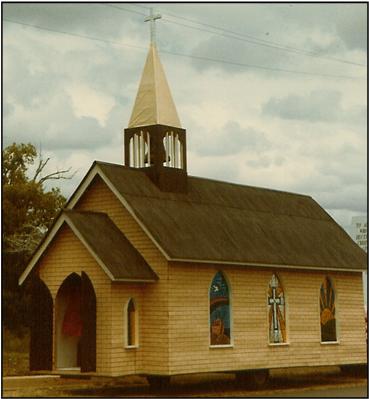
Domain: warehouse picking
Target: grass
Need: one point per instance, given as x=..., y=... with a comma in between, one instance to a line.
x=15, y=352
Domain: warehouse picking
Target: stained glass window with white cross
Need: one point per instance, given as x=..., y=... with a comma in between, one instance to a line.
x=276, y=311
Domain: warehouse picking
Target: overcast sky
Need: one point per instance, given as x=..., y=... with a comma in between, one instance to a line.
x=252, y=124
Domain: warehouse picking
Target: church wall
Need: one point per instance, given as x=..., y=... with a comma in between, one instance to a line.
x=66, y=255
x=189, y=320
x=152, y=298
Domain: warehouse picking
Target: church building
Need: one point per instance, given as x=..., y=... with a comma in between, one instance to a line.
x=150, y=271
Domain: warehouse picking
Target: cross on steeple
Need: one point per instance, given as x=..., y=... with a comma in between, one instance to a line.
x=152, y=19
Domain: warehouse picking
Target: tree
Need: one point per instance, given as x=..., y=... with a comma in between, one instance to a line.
x=28, y=210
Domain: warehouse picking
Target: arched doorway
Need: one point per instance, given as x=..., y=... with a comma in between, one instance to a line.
x=75, y=324
x=68, y=323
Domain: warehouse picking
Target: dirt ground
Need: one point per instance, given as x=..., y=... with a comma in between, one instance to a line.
x=199, y=385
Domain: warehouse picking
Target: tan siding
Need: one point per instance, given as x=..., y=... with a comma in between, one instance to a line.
x=152, y=299
x=100, y=198
x=66, y=255
x=189, y=320
x=173, y=314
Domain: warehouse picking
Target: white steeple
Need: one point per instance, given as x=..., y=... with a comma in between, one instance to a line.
x=154, y=103
x=154, y=140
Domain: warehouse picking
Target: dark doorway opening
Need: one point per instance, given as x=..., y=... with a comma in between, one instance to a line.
x=68, y=323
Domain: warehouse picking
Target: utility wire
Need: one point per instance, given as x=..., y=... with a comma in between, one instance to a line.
x=141, y=6
x=246, y=38
x=261, y=67
x=88, y=37
x=124, y=9
x=266, y=44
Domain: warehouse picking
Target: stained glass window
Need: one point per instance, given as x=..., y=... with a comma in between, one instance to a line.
x=327, y=311
x=131, y=323
x=276, y=311
x=220, y=322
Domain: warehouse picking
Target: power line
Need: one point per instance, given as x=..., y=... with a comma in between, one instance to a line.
x=246, y=38
x=262, y=67
x=88, y=37
x=125, y=9
x=266, y=44
x=141, y=6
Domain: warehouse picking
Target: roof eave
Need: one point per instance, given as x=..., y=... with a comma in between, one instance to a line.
x=63, y=218
x=268, y=265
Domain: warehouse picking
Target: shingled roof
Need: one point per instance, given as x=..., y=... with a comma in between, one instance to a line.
x=106, y=243
x=111, y=246
x=230, y=223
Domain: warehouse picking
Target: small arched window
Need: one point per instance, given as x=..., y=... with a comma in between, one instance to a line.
x=276, y=312
x=131, y=323
x=220, y=320
x=327, y=311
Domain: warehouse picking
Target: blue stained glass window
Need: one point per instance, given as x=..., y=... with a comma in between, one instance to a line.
x=220, y=321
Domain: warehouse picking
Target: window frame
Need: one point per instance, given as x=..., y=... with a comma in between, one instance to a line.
x=231, y=342
x=126, y=326
x=333, y=284
x=281, y=283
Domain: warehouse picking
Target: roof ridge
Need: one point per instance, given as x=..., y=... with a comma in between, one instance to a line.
x=212, y=179
x=114, y=164
x=249, y=186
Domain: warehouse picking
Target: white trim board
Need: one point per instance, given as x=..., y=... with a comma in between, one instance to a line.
x=271, y=265
x=41, y=249
x=96, y=170
x=63, y=218
x=132, y=213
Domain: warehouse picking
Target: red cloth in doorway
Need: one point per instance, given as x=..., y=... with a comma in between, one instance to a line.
x=72, y=323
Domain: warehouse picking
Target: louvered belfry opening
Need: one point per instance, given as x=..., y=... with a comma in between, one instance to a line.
x=160, y=151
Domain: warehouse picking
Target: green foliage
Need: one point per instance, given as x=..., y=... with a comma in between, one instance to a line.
x=28, y=210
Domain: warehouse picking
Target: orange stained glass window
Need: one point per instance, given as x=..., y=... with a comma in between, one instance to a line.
x=327, y=302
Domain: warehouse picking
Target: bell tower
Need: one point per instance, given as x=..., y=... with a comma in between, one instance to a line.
x=154, y=140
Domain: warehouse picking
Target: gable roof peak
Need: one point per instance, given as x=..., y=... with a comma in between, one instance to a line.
x=154, y=103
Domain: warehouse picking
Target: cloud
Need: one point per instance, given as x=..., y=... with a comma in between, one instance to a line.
x=55, y=126
x=78, y=18
x=335, y=175
x=351, y=26
x=90, y=103
x=232, y=139
x=279, y=130
x=8, y=109
x=316, y=106
x=264, y=161
x=322, y=29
